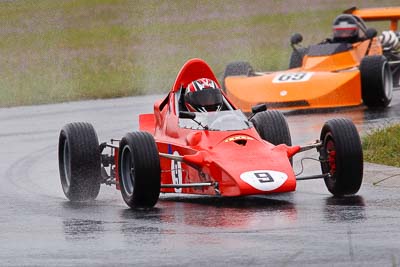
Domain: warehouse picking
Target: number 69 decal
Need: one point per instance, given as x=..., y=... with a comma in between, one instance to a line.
x=292, y=77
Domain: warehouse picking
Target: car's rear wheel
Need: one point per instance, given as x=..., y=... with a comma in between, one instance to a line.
x=139, y=170
x=272, y=126
x=238, y=68
x=376, y=81
x=79, y=161
x=296, y=58
x=341, y=156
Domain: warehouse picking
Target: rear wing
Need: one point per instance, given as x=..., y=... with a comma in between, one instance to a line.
x=377, y=14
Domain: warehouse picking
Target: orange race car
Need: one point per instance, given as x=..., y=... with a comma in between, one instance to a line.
x=354, y=67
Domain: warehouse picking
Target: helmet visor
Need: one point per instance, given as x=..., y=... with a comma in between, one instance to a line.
x=345, y=32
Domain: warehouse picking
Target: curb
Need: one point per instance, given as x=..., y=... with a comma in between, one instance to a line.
x=381, y=175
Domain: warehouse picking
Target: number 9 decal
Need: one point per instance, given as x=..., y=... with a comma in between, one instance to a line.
x=176, y=172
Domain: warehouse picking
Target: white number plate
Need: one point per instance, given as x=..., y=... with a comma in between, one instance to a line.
x=292, y=77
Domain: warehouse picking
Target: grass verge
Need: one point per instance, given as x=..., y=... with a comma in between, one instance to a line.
x=382, y=146
x=55, y=51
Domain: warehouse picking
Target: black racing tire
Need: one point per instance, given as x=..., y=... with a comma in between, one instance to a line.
x=79, y=160
x=272, y=126
x=296, y=58
x=139, y=170
x=376, y=81
x=238, y=68
x=341, y=156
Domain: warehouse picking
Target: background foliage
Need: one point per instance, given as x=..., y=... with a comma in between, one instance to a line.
x=55, y=51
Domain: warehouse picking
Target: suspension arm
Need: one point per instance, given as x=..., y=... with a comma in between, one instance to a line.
x=312, y=177
x=317, y=144
x=171, y=157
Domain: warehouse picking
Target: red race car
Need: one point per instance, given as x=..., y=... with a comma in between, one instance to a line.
x=198, y=142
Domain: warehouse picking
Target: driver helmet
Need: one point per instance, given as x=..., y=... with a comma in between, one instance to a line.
x=203, y=95
x=345, y=29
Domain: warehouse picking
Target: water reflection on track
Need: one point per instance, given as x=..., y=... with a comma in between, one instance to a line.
x=302, y=124
x=38, y=226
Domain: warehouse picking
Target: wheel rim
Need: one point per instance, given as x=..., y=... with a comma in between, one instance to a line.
x=67, y=163
x=331, y=156
x=127, y=171
x=387, y=82
x=329, y=165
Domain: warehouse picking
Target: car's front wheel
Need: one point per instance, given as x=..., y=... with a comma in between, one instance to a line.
x=79, y=161
x=272, y=126
x=139, y=170
x=341, y=157
x=376, y=81
x=238, y=68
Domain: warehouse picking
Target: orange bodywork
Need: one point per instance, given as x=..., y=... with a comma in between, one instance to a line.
x=377, y=14
x=323, y=81
x=328, y=81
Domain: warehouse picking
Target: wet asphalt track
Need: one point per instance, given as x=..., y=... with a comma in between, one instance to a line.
x=39, y=227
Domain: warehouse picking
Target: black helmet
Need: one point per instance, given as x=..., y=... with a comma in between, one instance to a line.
x=345, y=29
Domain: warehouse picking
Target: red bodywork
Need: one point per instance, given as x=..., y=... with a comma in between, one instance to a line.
x=236, y=162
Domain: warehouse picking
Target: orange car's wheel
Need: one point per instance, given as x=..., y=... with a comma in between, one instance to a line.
x=341, y=156
x=79, y=161
x=376, y=81
x=272, y=126
x=296, y=58
x=139, y=170
x=237, y=69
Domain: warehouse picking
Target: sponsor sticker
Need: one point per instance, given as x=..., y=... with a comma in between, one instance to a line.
x=176, y=172
x=264, y=180
x=292, y=77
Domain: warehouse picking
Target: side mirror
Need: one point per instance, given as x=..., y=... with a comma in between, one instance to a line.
x=258, y=108
x=187, y=115
x=371, y=33
x=296, y=39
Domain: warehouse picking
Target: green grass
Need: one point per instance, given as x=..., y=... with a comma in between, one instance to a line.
x=55, y=51
x=382, y=146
